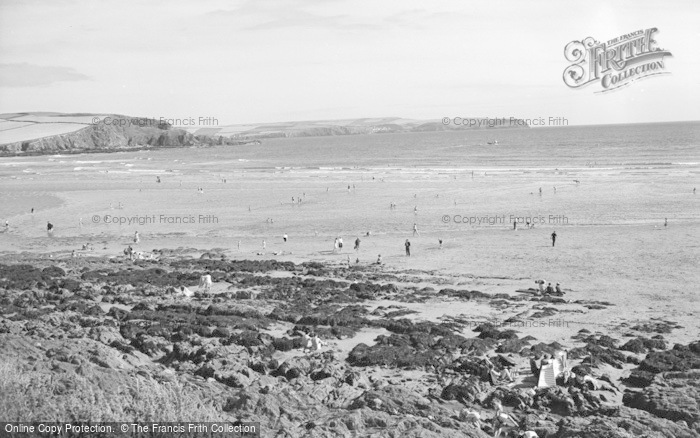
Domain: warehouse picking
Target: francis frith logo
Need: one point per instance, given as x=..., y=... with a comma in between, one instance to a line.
x=615, y=63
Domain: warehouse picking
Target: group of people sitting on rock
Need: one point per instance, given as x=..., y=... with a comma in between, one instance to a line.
x=502, y=423
x=549, y=289
x=139, y=255
x=502, y=374
x=310, y=342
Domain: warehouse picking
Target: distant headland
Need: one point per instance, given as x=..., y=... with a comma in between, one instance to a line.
x=39, y=133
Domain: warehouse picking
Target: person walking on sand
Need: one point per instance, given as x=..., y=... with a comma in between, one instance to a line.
x=357, y=244
x=408, y=248
x=554, y=237
x=415, y=230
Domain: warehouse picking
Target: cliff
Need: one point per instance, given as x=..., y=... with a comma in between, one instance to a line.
x=110, y=133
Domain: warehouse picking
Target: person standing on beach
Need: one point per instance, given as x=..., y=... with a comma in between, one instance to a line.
x=340, y=244
x=440, y=243
x=49, y=228
x=408, y=248
x=515, y=225
x=415, y=230
x=357, y=244
x=335, y=246
x=554, y=237
x=137, y=239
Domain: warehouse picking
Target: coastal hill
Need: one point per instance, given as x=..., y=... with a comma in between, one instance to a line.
x=49, y=133
x=382, y=125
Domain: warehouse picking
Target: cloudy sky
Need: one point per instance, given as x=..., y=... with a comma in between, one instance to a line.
x=269, y=60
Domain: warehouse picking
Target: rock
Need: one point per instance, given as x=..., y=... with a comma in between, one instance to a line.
x=673, y=395
x=105, y=335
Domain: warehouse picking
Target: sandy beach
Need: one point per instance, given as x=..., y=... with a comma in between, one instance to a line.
x=410, y=345
x=612, y=244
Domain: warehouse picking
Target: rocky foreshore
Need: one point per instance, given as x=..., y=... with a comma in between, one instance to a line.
x=110, y=339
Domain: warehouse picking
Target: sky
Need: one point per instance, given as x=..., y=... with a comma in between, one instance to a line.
x=270, y=60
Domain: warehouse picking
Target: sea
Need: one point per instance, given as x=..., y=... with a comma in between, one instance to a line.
x=629, y=145
x=632, y=173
